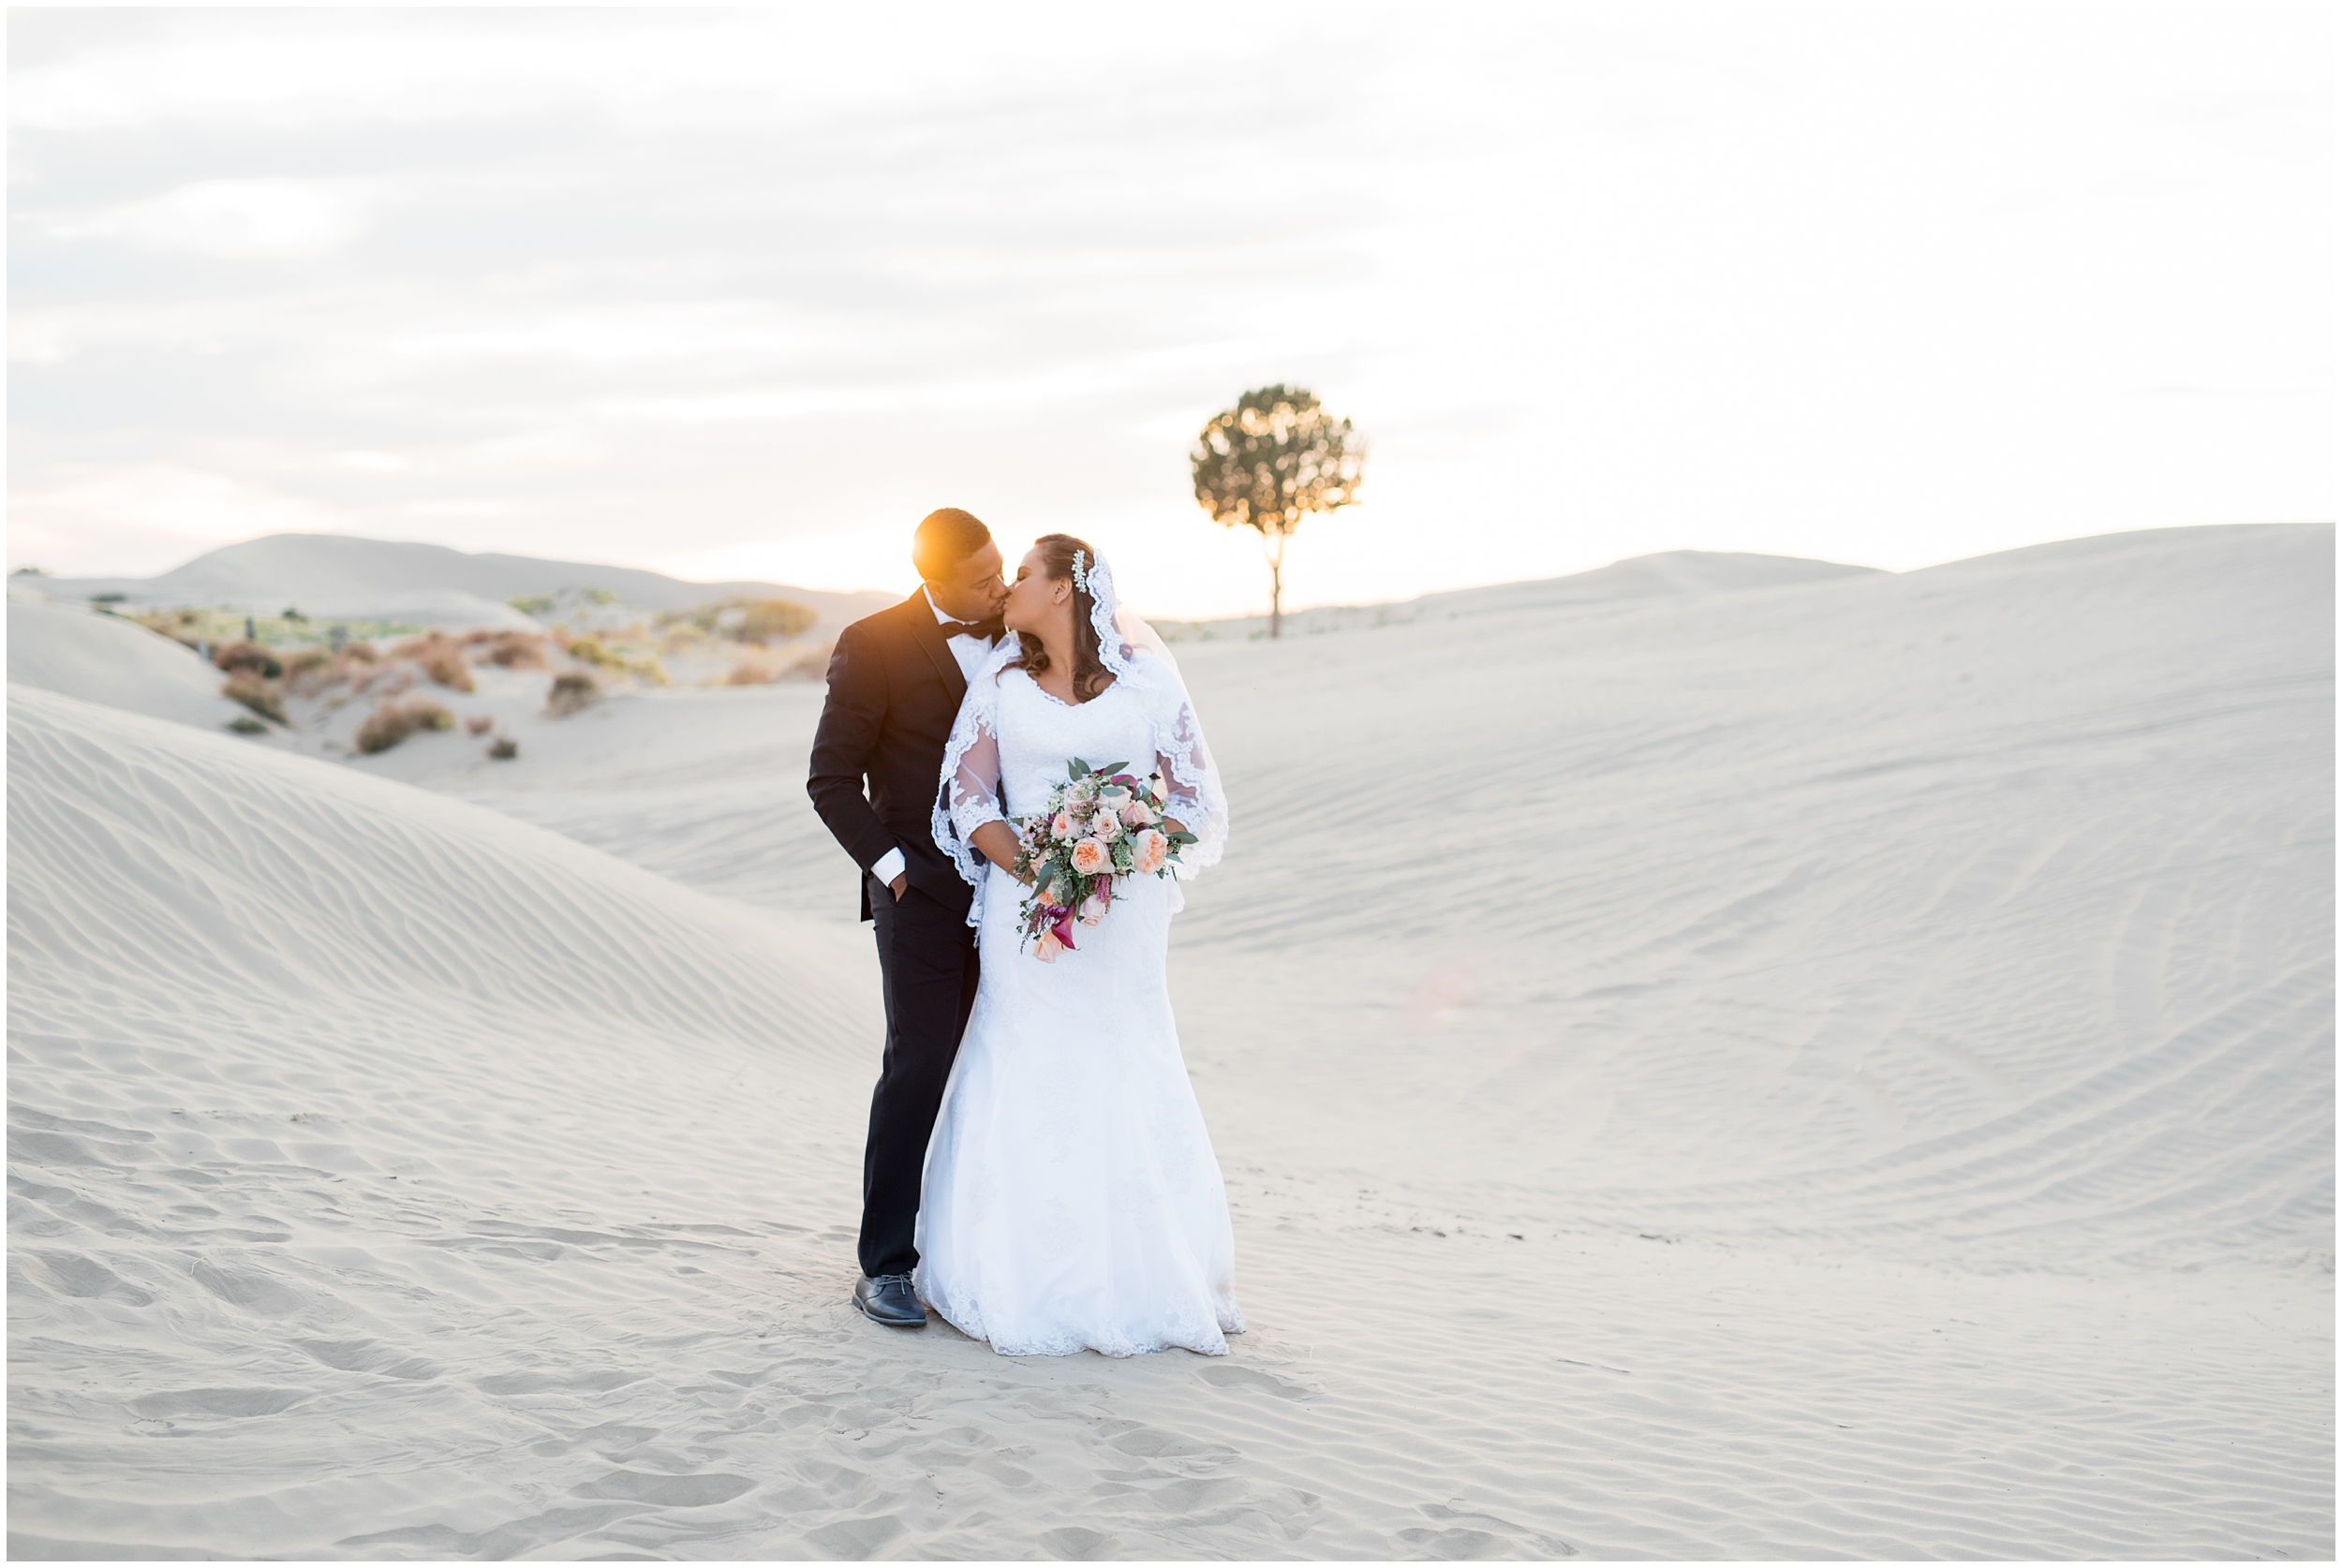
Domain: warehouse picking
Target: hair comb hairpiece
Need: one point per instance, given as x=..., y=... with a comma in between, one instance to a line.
x=1081, y=572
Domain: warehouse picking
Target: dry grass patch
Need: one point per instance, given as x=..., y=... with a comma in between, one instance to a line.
x=570, y=692
x=594, y=651
x=258, y=692
x=509, y=650
x=439, y=656
x=394, y=721
x=239, y=656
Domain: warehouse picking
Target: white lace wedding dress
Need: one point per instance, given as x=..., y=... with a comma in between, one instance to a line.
x=1072, y=1200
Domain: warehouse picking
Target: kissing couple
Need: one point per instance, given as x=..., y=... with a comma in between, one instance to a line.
x=1037, y=1170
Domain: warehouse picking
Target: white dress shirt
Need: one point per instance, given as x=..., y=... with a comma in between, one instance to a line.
x=971, y=651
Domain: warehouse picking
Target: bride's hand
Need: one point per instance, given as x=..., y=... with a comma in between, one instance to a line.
x=997, y=843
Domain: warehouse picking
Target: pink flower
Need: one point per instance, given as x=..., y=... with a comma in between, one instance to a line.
x=1095, y=908
x=1091, y=857
x=1105, y=825
x=1151, y=851
x=1047, y=948
x=1137, y=814
x=1063, y=826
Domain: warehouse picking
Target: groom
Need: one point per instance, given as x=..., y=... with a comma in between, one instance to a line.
x=894, y=685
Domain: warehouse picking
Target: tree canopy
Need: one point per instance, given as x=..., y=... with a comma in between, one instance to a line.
x=1275, y=458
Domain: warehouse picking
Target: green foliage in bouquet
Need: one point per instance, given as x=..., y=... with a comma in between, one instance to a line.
x=1099, y=826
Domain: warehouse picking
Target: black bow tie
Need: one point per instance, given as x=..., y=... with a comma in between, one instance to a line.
x=991, y=631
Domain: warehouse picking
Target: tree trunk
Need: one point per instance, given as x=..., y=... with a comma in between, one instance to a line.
x=1276, y=583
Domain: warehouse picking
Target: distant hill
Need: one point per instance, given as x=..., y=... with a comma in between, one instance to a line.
x=1672, y=571
x=336, y=574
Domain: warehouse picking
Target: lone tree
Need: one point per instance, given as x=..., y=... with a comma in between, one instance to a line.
x=1271, y=461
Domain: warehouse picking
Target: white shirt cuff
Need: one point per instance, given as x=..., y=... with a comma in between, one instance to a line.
x=890, y=866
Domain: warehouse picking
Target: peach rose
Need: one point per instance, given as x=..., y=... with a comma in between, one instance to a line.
x=1095, y=908
x=1150, y=852
x=1137, y=814
x=1062, y=827
x=1047, y=947
x=1091, y=857
x=1105, y=825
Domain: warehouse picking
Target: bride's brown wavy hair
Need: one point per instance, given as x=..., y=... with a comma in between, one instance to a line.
x=1090, y=670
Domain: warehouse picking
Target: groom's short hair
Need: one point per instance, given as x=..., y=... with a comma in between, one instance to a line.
x=947, y=537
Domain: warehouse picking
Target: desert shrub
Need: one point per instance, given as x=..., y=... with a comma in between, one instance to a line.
x=392, y=679
x=439, y=656
x=182, y=626
x=503, y=749
x=746, y=620
x=233, y=657
x=509, y=650
x=594, y=651
x=571, y=690
x=244, y=724
x=753, y=672
x=392, y=722
x=310, y=671
x=478, y=724
x=256, y=693
x=447, y=666
x=769, y=619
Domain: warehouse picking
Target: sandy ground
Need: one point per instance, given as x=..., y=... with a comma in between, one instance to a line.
x=1778, y=1066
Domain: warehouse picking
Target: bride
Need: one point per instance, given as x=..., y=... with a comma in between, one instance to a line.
x=1071, y=1198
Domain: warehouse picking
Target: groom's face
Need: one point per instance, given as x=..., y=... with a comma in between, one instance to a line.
x=973, y=591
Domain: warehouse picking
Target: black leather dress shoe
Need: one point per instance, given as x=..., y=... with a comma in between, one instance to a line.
x=889, y=1300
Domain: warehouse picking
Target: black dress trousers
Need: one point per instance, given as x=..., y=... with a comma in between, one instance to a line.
x=927, y=962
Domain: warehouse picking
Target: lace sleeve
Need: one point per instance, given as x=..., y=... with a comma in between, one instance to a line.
x=974, y=786
x=967, y=790
x=1190, y=783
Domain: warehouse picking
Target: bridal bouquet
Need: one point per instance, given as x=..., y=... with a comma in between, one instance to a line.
x=1098, y=827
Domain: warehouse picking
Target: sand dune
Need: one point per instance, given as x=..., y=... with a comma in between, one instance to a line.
x=1840, y=1065
x=104, y=659
x=1672, y=574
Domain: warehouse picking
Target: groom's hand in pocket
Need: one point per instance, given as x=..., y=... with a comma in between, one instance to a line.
x=903, y=881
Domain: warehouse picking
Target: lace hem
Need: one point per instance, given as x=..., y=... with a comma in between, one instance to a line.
x=1201, y=1336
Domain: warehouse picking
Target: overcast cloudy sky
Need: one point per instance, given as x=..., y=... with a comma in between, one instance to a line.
x=746, y=292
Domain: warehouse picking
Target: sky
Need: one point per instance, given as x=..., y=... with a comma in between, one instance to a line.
x=746, y=292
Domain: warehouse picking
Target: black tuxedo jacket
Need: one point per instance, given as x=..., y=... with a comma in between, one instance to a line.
x=893, y=693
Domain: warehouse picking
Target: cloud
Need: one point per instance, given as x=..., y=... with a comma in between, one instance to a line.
x=1876, y=285
x=682, y=67
x=146, y=516
x=236, y=220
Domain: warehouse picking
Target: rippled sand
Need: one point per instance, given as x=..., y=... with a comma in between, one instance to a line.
x=1808, y=1068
